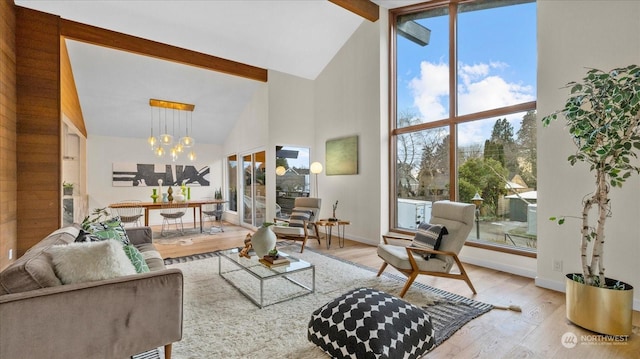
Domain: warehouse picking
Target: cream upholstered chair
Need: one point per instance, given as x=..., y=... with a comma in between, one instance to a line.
x=129, y=211
x=409, y=259
x=301, y=225
x=173, y=211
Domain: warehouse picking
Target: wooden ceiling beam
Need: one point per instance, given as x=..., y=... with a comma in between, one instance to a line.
x=119, y=41
x=364, y=8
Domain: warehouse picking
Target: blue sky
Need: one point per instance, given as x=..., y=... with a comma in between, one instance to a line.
x=496, y=61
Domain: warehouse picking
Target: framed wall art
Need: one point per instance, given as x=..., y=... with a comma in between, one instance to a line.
x=341, y=157
x=141, y=175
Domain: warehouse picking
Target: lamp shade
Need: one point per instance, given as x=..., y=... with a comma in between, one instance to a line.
x=316, y=168
x=280, y=170
x=477, y=200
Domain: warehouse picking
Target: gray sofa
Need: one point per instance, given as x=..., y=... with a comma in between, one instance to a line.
x=114, y=318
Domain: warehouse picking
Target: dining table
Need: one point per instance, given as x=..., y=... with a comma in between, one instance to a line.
x=148, y=206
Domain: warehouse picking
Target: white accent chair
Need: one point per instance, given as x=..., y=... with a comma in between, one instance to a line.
x=458, y=218
x=302, y=223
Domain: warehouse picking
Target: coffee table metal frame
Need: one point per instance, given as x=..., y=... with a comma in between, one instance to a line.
x=263, y=273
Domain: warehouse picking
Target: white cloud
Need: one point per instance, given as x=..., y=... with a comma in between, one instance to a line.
x=431, y=91
x=480, y=88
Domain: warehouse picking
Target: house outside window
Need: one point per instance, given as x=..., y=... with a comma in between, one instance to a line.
x=464, y=78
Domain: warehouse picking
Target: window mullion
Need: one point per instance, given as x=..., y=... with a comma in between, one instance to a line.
x=453, y=98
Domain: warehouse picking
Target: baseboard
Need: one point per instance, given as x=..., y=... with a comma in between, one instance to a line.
x=499, y=266
x=558, y=286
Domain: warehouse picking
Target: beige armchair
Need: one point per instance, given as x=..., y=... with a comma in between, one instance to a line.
x=458, y=219
x=302, y=223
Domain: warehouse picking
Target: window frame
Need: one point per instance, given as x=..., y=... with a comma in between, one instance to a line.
x=452, y=121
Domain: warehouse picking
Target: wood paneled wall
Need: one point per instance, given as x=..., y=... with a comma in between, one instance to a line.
x=38, y=126
x=8, y=171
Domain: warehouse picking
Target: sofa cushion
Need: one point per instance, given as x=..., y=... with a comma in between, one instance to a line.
x=90, y=261
x=151, y=256
x=366, y=323
x=34, y=269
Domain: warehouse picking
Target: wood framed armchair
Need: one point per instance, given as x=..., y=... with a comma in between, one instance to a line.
x=302, y=223
x=409, y=259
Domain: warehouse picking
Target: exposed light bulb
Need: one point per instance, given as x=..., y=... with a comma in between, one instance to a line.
x=187, y=141
x=166, y=139
x=152, y=140
x=160, y=151
x=192, y=156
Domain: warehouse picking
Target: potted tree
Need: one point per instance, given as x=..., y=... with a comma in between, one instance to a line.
x=602, y=115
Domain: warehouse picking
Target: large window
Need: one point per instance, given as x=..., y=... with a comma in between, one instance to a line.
x=465, y=79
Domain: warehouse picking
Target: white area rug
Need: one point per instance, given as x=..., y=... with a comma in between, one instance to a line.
x=219, y=322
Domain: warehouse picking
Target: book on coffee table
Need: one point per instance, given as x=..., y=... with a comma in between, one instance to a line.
x=274, y=261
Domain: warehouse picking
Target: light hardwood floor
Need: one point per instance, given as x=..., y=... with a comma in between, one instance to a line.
x=535, y=333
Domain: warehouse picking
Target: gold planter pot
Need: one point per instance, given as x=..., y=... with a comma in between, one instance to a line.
x=601, y=310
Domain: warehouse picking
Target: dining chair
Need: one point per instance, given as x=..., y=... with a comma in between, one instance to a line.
x=129, y=211
x=173, y=211
x=213, y=212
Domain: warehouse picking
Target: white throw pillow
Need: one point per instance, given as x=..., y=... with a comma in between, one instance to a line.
x=90, y=261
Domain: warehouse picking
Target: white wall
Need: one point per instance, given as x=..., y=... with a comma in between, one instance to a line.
x=348, y=97
x=104, y=151
x=250, y=134
x=291, y=123
x=571, y=37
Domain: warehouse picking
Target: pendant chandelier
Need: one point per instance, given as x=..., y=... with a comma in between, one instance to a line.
x=170, y=115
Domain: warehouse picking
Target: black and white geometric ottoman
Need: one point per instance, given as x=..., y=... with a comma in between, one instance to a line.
x=366, y=323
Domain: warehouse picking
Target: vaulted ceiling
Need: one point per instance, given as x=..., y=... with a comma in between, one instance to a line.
x=114, y=87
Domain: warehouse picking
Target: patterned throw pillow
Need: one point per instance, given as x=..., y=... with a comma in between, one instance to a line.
x=298, y=217
x=109, y=229
x=366, y=323
x=85, y=236
x=429, y=236
x=137, y=259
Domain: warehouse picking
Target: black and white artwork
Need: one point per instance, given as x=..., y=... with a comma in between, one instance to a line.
x=147, y=175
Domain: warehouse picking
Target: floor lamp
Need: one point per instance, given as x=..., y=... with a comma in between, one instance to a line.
x=316, y=168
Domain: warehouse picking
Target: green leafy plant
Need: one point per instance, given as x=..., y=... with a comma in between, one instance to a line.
x=95, y=216
x=218, y=194
x=602, y=115
x=67, y=185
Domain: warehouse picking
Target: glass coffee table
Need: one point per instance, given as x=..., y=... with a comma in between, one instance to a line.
x=267, y=285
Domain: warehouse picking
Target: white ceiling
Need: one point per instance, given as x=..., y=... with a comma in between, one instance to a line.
x=295, y=37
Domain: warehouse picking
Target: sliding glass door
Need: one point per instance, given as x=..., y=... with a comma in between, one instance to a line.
x=253, y=189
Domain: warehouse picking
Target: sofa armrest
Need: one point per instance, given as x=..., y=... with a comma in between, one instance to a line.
x=140, y=235
x=113, y=318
